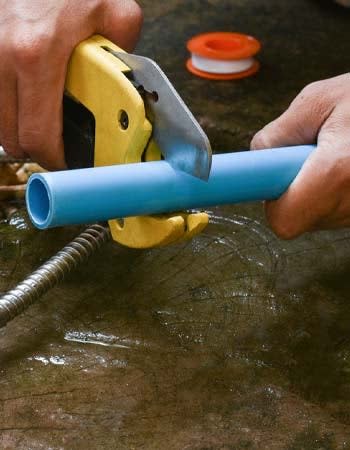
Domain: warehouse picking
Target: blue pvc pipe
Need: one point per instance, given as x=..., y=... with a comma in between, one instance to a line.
x=98, y=194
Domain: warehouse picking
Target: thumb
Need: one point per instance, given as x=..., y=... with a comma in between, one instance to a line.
x=122, y=23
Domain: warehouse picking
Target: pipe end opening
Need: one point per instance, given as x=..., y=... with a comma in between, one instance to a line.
x=38, y=202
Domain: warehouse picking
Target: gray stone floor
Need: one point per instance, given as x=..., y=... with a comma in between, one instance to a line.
x=235, y=340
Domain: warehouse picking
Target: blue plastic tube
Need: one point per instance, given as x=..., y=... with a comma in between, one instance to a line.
x=98, y=194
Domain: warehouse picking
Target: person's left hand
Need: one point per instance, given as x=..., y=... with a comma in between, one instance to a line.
x=319, y=197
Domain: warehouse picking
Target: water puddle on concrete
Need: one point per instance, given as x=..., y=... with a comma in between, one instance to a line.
x=233, y=340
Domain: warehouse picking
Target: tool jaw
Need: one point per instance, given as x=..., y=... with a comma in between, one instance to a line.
x=123, y=134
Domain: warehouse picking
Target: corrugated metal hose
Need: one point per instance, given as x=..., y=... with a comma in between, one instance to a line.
x=52, y=272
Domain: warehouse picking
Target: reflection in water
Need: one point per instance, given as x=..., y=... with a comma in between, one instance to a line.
x=57, y=360
x=232, y=340
x=100, y=339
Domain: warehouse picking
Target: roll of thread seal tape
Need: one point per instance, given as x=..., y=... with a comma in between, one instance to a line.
x=223, y=56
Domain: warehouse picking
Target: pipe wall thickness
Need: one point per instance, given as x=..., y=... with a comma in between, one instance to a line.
x=98, y=194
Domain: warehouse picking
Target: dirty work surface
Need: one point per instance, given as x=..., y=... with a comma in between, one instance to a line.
x=235, y=340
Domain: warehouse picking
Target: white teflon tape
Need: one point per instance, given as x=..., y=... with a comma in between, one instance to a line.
x=221, y=66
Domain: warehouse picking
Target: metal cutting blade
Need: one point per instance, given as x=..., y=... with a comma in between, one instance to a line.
x=179, y=136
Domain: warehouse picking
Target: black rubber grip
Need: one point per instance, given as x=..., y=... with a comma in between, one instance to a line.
x=78, y=134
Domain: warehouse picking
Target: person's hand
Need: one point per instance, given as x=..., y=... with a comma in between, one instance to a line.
x=319, y=197
x=37, y=38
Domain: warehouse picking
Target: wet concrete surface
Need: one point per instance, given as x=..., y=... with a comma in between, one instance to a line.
x=236, y=340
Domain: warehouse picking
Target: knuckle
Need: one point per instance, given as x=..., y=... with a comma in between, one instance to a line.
x=134, y=10
x=136, y=14
x=345, y=78
x=8, y=139
x=311, y=95
x=132, y=15
x=30, y=142
x=317, y=99
x=328, y=90
x=130, y=10
x=323, y=88
x=312, y=89
x=284, y=230
x=279, y=222
x=339, y=86
x=122, y=25
x=29, y=52
x=11, y=147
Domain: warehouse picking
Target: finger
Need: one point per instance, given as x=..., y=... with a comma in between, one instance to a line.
x=8, y=112
x=40, y=87
x=316, y=199
x=300, y=123
x=122, y=22
x=299, y=209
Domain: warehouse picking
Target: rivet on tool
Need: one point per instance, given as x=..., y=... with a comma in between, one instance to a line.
x=123, y=120
x=223, y=56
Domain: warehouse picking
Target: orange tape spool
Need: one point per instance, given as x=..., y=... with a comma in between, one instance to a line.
x=223, y=56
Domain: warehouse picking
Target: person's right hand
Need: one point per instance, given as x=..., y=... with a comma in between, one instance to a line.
x=37, y=38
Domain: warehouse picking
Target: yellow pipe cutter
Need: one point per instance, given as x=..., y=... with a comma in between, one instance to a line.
x=120, y=108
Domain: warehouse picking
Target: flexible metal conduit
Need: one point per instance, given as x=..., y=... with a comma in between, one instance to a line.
x=52, y=272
